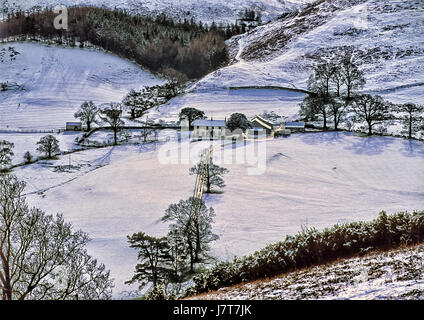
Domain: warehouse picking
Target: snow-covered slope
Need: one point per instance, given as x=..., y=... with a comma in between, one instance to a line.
x=398, y=274
x=387, y=36
x=314, y=180
x=220, y=11
x=57, y=80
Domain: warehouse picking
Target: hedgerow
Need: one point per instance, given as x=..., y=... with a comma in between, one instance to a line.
x=312, y=247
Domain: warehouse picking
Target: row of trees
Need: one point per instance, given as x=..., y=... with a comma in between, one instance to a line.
x=157, y=44
x=171, y=259
x=334, y=93
x=136, y=103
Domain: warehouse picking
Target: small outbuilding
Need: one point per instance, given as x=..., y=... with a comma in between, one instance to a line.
x=73, y=126
x=295, y=126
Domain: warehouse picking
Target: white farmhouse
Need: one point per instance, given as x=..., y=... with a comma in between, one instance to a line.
x=209, y=129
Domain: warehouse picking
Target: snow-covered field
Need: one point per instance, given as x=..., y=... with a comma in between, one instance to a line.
x=387, y=36
x=206, y=11
x=221, y=103
x=28, y=142
x=314, y=179
x=57, y=80
x=397, y=274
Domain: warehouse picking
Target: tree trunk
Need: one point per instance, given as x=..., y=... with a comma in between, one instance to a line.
x=410, y=127
x=336, y=123
x=369, y=129
x=115, y=137
x=190, y=249
x=325, y=120
x=197, y=251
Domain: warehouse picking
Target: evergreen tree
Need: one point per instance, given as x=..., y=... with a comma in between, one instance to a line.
x=191, y=114
x=238, y=121
x=153, y=256
x=28, y=157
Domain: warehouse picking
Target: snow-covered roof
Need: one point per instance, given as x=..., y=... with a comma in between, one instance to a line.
x=299, y=124
x=209, y=123
x=262, y=123
x=263, y=120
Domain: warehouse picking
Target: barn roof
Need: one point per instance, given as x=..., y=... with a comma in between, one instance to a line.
x=263, y=123
x=209, y=123
x=299, y=124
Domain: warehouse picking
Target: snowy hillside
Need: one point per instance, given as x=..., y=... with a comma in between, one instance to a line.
x=397, y=274
x=57, y=80
x=314, y=179
x=220, y=11
x=387, y=35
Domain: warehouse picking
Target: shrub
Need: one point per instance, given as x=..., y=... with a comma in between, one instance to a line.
x=313, y=247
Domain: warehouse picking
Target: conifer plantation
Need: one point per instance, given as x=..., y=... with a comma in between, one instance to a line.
x=155, y=43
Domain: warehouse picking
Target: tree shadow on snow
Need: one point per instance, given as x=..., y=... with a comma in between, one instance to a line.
x=412, y=148
x=370, y=146
x=330, y=137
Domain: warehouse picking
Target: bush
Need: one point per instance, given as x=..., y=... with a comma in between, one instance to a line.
x=313, y=247
x=28, y=157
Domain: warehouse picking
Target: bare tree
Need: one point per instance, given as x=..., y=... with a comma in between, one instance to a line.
x=371, y=109
x=87, y=113
x=192, y=220
x=176, y=81
x=352, y=77
x=112, y=116
x=41, y=256
x=413, y=116
x=315, y=104
x=6, y=153
x=48, y=145
x=213, y=174
x=336, y=78
x=320, y=82
x=337, y=109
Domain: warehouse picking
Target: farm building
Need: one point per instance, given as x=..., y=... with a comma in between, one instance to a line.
x=73, y=126
x=295, y=126
x=212, y=129
x=261, y=123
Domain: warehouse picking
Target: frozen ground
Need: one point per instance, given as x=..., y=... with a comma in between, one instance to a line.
x=390, y=275
x=314, y=179
x=386, y=34
x=207, y=11
x=57, y=80
x=28, y=142
x=221, y=103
